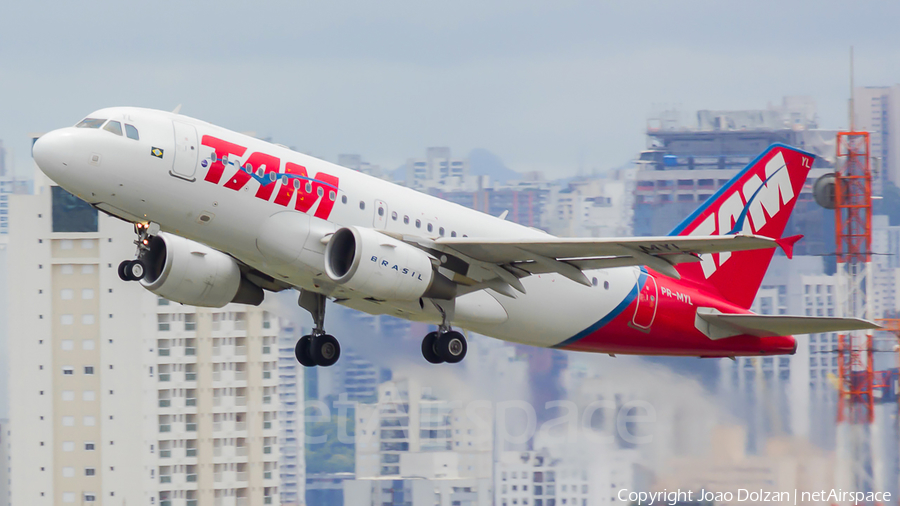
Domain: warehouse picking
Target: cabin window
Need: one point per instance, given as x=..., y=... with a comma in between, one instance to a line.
x=394, y=215
x=380, y=211
x=343, y=199
x=406, y=220
x=441, y=231
x=430, y=227
x=332, y=195
x=418, y=223
x=362, y=205
x=453, y=234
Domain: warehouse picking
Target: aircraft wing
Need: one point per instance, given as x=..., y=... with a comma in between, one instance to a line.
x=511, y=259
x=717, y=325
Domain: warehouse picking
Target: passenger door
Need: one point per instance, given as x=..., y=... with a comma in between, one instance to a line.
x=184, y=163
x=381, y=215
x=647, y=301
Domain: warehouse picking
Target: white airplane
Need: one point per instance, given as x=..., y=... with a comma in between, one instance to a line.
x=222, y=217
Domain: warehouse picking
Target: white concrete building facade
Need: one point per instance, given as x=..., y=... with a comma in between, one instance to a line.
x=121, y=397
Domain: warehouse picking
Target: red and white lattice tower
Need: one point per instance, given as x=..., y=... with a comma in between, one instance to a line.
x=853, y=226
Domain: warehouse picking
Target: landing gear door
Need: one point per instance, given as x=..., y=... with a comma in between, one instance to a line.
x=186, y=151
x=381, y=215
x=647, y=301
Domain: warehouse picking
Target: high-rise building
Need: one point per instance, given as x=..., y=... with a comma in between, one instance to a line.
x=407, y=418
x=685, y=165
x=542, y=478
x=791, y=394
x=4, y=462
x=2, y=160
x=436, y=169
x=120, y=396
x=885, y=267
x=424, y=479
x=593, y=207
x=525, y=205
x=414, y=448
x=291, y=440
x=877, y=111
x=355, y=162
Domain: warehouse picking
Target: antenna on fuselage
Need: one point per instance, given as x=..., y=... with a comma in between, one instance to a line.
x=177, y=109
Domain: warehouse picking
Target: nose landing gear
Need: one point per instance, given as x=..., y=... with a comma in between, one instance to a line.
x=318, y=348
x=132, y=270
x=135, y=270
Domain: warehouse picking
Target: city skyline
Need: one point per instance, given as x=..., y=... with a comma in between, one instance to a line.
x=590, y=120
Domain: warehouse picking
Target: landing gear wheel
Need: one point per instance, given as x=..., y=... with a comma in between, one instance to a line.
x=428, y=348
x=301, y=351
x=451, y=347
x=122, y=274
x=325, y=350
x=133, y=270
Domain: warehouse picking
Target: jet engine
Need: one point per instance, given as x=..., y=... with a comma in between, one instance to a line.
x=185, y=271
x=381, y=267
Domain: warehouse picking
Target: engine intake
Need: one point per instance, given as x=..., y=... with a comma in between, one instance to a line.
x=379, y=266
x=191, y=273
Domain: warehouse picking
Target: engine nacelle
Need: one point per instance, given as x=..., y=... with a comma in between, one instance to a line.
x=185, y=271
x=379, y=266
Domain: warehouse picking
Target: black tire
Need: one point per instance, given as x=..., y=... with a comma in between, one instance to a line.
x=428, y=348
x=325, y=350
x=122, y=274
x=136, y=270
x=301, y=351
x=451, y=347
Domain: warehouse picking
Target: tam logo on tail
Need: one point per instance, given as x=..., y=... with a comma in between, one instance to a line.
x=758, y=200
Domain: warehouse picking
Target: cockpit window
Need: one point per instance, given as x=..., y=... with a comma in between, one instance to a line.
x=131, y=132
x=114, y=127
x=90, y=123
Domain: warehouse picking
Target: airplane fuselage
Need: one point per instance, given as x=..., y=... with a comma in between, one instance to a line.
x=192, y=178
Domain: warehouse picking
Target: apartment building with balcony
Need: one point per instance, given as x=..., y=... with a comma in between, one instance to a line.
x=121, y=397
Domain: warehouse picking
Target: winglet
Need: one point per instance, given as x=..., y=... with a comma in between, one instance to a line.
x=787, y=244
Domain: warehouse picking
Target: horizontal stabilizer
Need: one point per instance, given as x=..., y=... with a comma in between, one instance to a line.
x=718, y=325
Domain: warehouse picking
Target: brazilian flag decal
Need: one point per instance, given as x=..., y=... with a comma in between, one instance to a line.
x=157, y=152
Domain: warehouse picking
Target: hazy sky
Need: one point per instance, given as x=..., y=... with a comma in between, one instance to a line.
x=545, y=85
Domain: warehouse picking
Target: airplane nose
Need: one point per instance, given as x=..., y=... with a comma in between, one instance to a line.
x=52, y=150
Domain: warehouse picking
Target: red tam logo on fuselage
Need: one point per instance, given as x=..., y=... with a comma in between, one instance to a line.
x=266, y=170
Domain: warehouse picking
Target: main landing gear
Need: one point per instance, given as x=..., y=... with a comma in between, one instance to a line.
x=319, y=348
x=445, y=345
x=135, y=270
